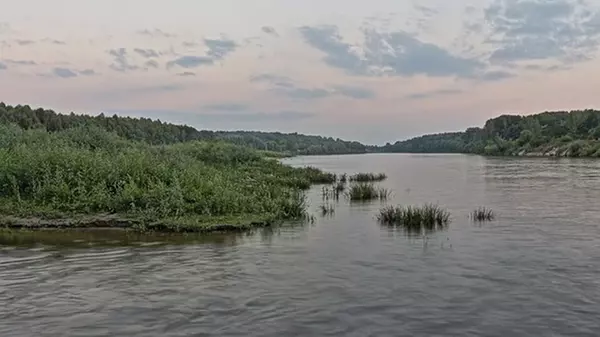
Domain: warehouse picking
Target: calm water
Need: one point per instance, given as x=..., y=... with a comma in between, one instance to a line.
x=535, y=271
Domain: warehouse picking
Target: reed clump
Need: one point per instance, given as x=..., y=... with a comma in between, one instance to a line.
x=428, y=217
x=368, y=177
x=365, y=191
x=482, y=214
x=326, y=209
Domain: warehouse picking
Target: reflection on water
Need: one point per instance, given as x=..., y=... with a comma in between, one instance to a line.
x=532, y=272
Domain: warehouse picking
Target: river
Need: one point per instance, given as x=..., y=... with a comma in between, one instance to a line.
x=534, y=271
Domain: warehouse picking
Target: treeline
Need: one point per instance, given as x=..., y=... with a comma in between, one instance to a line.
x=156, y=132
x=557, y=133
x=292, y=143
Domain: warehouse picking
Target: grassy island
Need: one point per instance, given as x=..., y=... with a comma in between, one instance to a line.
x=73, y=171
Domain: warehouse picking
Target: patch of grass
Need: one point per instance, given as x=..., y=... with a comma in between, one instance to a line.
x=365, y=191
x=428, y=217
x=87, y=171
x=482, y=214
x=368, y=177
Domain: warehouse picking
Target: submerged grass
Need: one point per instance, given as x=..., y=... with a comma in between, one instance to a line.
x=197, y=185
x=428, y=217
x=482, y=214
x=326, y=209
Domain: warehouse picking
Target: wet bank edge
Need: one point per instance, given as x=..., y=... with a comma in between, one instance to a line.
x=111, y=221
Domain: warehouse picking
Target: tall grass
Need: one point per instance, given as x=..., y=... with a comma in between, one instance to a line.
x=91, y=171
x=368, y=177
x=424, y=218
x=364, y=191
x=482, y=214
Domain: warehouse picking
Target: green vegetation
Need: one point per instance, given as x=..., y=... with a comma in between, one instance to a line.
x=366, y=191
x=368, y=177
x=155, y=132
x=326, y=209
x=79, y=175
x=425, y=218
x=292, y=143
x=558, y=133
x=483, y=214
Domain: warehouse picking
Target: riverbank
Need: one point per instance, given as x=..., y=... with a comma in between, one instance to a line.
x=87, y=177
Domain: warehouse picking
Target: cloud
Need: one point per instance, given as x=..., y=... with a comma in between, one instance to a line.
x=273, y=79
x=151, y=64
x=401, y=54
x=157, y=88
x=355, y=92
x=24, y=42
x=120, y=61
x=190, y=44
x=255, y=117
x=4, y=27
x=338, y=54
x=219, y=119
x=186, y=74
x=87, y=72
x=393, y=54
x=285, y=86
x=226, y=107
x=156, y=33
x=565, y=30
x=21, y=62
x=3, y=66
x=147, y=53
x=269, y=30
x=496, y=75
x=303, y=93
x=429, y=94
x=426, y=11
x=190, y=61
x=53, y=41
x=64, y=73
x=219, y=49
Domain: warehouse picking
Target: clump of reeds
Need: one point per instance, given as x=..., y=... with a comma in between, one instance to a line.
x=368, y=177
x=327, y=209
x=428, y=217
x=364, y=191
x=483, y=214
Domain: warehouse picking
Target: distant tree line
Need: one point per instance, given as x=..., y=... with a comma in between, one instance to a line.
x=157, y=132
x=557, y=133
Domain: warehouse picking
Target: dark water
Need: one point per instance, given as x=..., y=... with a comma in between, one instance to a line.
x=535, y=271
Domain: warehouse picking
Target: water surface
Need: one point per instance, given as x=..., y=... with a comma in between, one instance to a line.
x=535, y=271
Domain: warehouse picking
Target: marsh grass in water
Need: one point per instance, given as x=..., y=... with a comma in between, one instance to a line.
x=482, y=214
x=365, y=191
x=428, y=217
x=368, y=177
x=326, y=209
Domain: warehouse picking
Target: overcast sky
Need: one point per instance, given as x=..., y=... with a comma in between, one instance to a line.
x=373, y=71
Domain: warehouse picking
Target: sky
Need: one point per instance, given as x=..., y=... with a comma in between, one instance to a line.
x=374, y=71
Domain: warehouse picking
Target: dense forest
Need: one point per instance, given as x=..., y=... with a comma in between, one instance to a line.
x=156, y=132
x=557, y=133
